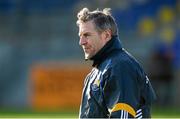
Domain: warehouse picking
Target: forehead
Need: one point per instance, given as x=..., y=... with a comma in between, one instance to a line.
x=86, y=27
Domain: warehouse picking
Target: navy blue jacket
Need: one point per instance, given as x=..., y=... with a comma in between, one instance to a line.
x=117, y=86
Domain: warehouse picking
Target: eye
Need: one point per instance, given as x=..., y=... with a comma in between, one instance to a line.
x=86, y=35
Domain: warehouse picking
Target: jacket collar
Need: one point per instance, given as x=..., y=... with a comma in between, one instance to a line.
x=103, y=53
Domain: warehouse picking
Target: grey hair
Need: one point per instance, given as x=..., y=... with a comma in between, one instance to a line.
x=103, y=20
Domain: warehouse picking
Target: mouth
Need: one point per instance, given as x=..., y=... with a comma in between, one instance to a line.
x=85, y=49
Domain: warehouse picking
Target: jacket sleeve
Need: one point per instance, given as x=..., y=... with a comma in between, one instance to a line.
x=121, y=92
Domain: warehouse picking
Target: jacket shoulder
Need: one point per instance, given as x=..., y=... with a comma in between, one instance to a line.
x=124, y=58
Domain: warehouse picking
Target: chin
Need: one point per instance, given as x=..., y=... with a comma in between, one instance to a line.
x=87, y=56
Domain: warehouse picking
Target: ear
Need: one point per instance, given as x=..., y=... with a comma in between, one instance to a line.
x=107, y=35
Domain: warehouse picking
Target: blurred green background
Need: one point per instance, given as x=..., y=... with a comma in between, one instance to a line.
x=157, y=112
x=42, y=67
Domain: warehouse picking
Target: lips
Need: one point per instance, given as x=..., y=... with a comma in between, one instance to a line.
x=86, y=49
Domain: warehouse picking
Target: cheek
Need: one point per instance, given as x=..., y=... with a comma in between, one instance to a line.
x=98, y=44
x=94, y=44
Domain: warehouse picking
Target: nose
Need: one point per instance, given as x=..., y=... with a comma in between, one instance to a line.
x=82, y=41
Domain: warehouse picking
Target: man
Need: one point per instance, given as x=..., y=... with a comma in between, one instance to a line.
x=117, y=86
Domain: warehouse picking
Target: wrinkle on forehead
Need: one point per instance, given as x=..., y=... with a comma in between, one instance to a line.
x=86, y=27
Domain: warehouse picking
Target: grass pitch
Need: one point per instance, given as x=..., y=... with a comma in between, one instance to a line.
x=157, y=112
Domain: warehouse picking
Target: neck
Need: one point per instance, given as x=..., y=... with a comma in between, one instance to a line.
x=106, y=50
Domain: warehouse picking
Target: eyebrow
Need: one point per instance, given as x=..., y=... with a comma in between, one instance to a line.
x=84, y=33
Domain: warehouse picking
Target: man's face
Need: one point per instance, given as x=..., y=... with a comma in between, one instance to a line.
x=90, y=40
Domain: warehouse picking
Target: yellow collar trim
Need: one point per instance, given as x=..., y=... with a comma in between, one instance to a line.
x=124, y=106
